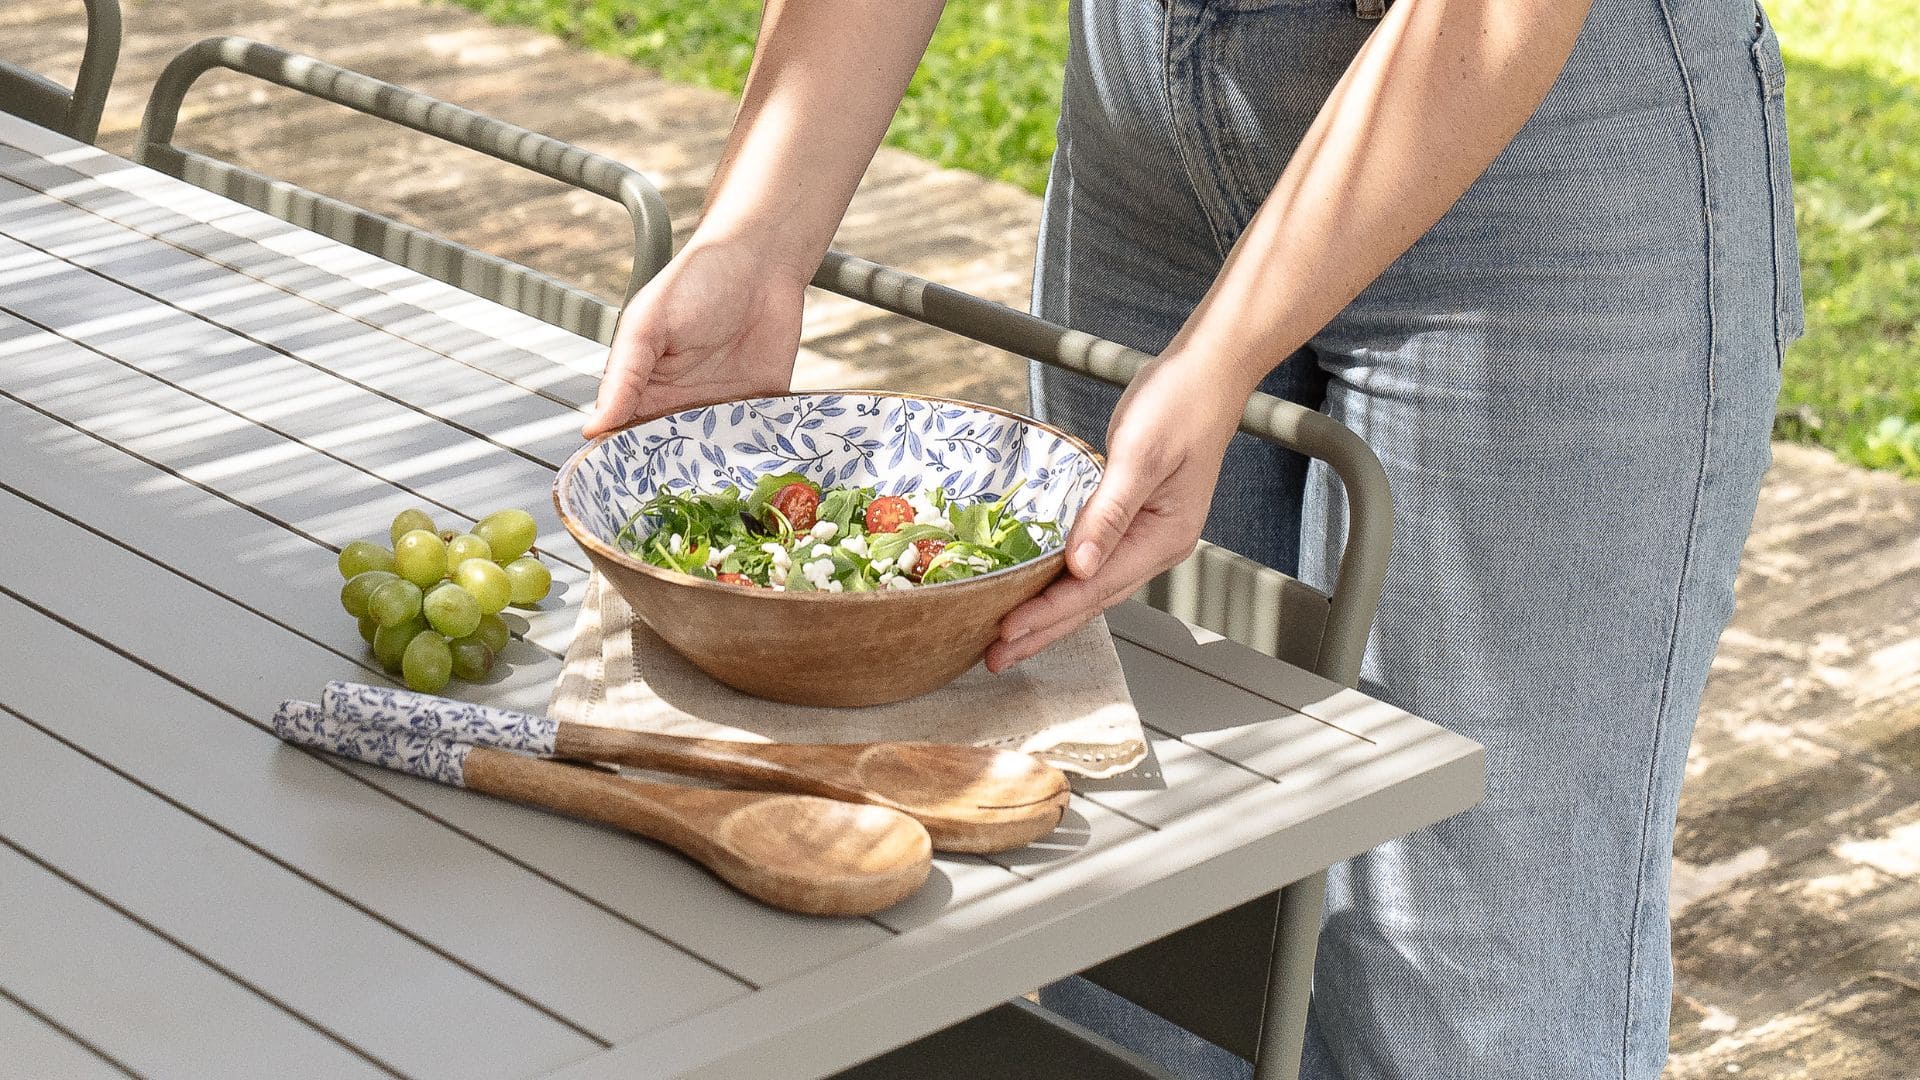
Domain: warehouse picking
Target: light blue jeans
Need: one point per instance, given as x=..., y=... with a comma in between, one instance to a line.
x=1571, y=382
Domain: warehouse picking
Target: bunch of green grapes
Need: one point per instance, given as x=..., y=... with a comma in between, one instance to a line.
x=430, y=605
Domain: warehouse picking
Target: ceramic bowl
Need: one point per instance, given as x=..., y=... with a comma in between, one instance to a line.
x=820, y=648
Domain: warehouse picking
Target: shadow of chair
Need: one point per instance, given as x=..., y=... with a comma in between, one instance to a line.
x=491, y=276
x=74, y=112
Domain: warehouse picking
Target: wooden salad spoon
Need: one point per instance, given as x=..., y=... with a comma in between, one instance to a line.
x=970, y=798
x=798, y=852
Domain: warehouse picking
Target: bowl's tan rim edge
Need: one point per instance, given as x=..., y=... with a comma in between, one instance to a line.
x=562, y=479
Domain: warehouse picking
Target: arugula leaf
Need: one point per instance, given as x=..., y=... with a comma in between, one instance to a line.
x=840, y=506
x=972, y=524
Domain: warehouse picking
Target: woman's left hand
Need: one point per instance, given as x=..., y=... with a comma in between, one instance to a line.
x=1164, y=449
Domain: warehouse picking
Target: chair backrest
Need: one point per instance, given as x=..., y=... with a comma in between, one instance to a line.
x=490, y=276
x=1217, y=589
x=74, y=112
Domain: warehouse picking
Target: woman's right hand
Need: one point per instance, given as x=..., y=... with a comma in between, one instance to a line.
x=718, y=322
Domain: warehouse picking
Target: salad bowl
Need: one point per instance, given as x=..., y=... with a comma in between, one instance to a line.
x=808, y=645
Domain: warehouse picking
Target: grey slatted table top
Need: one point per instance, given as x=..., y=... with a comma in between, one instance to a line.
x=198, y=405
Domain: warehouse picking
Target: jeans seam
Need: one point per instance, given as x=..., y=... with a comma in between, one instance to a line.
x=1686, y=551
x=1181, y=148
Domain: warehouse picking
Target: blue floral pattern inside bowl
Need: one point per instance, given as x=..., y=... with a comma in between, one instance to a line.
x=895, y=444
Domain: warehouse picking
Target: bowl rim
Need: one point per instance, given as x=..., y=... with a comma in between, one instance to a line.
x=595, y=546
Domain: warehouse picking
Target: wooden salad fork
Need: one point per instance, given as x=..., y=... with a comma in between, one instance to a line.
x=801, y=853
x=970, y=798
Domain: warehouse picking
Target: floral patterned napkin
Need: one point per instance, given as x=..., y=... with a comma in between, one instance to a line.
x=1068, y=706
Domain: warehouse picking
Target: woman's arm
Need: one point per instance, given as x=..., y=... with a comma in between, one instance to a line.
x=1430, y=100
x=826, y=79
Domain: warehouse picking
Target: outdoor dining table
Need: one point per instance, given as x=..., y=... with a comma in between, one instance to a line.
x=199, y=405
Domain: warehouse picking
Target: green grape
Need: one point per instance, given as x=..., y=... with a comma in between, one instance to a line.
x=427, y=663
x=420, y=557
x=464, y=546
x=369, y=626
x=394, y=603
x=407, y=521
x=354, y=594
x=392, y=641
x=360, y=556
x=508, y=532
x=528, y=580
x=493, y=631
x=452, y=610
x=471, y=659
x=486, y=581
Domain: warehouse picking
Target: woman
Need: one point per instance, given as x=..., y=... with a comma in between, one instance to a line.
x=1540, y=257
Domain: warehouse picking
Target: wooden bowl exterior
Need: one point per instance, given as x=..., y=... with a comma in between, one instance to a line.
x=837, y=649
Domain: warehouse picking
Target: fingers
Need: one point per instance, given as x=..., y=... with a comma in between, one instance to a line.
x=1110, y=511
x=1152, y=545
x=629, y=366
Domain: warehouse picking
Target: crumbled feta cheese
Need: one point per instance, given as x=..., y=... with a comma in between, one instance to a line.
x=778, y=586
x=818, y=572
x=824, y=530
x=781, y=557
x=907, y=555
x=778, y=575
x=834, y=586
x=676, y=543
x=881, y=566
x=716, y=558
x=856, y=544
x=979, y=562
x=897, y=582
x=821, y=551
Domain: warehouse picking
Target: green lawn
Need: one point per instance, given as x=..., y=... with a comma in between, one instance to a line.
x=987, y=96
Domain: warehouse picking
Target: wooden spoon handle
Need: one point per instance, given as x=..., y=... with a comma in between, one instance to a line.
x=811, y=770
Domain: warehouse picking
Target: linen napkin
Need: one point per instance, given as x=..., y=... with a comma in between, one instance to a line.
x=1068, y=706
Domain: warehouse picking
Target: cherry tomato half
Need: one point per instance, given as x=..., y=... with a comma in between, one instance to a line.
x=926, y=549
x=735, y=579
x=887, y=513
x=800, y=503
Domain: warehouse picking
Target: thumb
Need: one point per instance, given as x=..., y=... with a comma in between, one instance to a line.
x=629, y=366
x=1108, y=513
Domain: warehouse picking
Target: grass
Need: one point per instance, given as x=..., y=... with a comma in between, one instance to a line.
x=988, y=94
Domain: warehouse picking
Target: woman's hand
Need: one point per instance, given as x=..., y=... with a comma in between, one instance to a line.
x=718, y=322
x=1164, y=448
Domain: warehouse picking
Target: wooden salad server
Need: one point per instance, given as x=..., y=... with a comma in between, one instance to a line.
x=970, y=798
x=798, y=852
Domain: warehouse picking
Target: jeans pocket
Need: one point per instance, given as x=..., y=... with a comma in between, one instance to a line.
x=1789, y=312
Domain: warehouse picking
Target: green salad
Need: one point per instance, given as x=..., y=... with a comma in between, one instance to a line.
x=788, y=534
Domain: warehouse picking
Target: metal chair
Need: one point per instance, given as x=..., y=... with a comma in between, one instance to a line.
x=74, y=113
x=490, y=276
x=1218, y=979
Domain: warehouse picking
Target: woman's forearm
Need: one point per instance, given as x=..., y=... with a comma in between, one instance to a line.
x=826, y=79
x=1436, y=93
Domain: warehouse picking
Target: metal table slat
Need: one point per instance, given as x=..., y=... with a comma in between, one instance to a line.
x=37, y=1050
x=429, y=382
x=278, y=252
x=605, y=976
x=282, y=934
x=141, y=999
x=294, y=584
x=280, y=476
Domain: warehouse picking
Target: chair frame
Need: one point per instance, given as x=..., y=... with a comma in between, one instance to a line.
x=74, y=112
x=490, y=276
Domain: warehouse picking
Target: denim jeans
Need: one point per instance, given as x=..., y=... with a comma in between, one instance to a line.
x=1570, y=380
